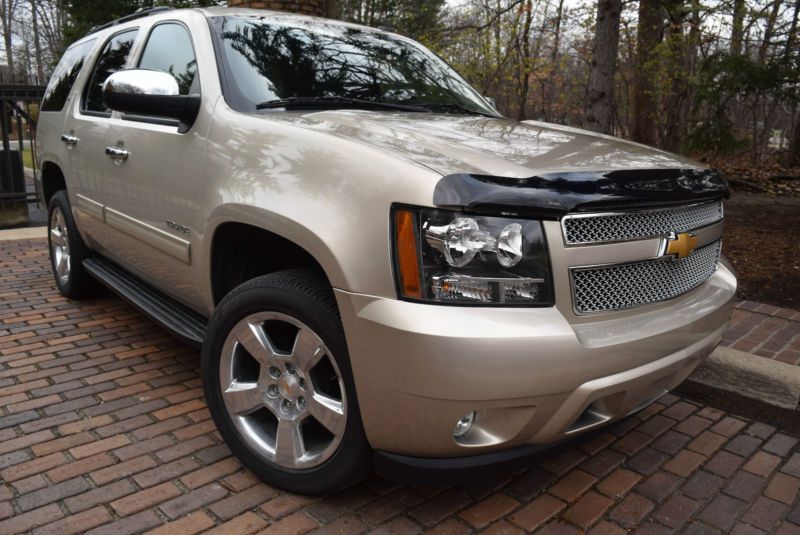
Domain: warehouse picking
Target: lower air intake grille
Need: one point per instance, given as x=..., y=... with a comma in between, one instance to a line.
x=621, y=286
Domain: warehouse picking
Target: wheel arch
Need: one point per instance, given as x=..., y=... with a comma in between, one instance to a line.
x=244, y=247
x=53, y=180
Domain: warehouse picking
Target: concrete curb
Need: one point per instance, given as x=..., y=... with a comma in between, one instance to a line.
x=748, y=384
x=23, y=233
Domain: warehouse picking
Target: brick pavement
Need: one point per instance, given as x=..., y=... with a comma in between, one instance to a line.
x=766, y=331
x=103, y=430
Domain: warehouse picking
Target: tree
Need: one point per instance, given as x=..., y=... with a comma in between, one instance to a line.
x=37, y=42
x=769, y=31
x=737, y=26
x=418, y=19
x=8, y=10
x=668, y=73
x=85, y=14
x=643, y=104
x=788, y=53
x=600, y=91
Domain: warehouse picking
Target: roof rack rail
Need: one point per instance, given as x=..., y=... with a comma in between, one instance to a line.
x=138, y=14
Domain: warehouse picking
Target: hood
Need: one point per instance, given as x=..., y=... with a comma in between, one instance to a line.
x=450, y=144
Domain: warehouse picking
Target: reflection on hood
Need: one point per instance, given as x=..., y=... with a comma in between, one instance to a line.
x=484, y=145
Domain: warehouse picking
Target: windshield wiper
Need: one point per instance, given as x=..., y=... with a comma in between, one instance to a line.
x=453, y=107
x=335, y=102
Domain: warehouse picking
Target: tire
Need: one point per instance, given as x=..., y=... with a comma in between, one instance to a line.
x=67, y=250
x=279, y=385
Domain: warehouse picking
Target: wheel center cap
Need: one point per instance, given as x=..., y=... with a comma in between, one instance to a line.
x=289, y=387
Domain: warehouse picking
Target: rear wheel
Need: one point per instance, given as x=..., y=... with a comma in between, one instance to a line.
x=67, y=250
x=277, y=379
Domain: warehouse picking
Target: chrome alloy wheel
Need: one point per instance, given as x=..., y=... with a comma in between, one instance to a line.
x=59, y=245
x=283, y=390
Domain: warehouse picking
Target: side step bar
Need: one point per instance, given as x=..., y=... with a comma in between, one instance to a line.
x=173, y=316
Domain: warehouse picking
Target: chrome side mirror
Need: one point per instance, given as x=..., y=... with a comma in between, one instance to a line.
x=146, y=92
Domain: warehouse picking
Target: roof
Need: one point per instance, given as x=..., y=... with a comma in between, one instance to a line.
x=218, y=11
x=140, y=13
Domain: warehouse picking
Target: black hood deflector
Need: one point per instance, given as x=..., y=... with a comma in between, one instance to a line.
x=553, y=195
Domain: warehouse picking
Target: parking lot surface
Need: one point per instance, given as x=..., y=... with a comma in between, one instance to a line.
x=103, y=429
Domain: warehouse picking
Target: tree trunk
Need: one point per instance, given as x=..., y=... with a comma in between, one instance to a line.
x=737, y=27
x=691, y=62
x=794, y=147
x=769, y=30
x=28, y=65
x=6, y=14
x=677, y=78
x=37, y=44
x=557, y=32
x=549, y=87
x=600, y=93
x=643, y=104
x=791, y=36
x=525, y=67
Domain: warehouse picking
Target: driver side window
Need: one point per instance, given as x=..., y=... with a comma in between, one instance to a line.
x=169, y=49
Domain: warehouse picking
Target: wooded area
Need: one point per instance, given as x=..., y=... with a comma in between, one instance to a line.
x=717, y=79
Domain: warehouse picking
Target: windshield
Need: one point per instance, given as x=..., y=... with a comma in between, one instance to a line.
x=269, y=59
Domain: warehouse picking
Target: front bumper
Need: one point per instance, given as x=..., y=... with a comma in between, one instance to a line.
x=531, y=376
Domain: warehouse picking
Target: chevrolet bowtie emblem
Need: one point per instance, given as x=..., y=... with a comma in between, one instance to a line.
x=680, y=245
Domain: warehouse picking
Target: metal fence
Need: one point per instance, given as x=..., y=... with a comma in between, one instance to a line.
x=18, y=111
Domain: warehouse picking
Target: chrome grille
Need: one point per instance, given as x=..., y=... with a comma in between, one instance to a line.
x=623, y=226
x=621, y=286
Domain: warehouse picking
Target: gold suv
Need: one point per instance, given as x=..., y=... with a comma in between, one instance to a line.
x=382, y=270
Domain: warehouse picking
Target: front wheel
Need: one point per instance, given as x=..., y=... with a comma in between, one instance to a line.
x=278, y=383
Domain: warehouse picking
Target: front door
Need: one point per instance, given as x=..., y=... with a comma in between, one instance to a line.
x=158, y=172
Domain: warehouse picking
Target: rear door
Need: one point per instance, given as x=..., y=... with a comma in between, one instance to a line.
x=54, y=142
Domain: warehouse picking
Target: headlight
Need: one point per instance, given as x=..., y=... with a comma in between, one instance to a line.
x=451, y=257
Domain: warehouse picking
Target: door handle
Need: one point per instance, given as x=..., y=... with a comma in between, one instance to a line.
x=117, y=153
x=69, y=140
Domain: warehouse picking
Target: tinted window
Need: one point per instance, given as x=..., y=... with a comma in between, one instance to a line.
x=112, y=59
x=64, y=76
x=169, y=49
x=269, y=58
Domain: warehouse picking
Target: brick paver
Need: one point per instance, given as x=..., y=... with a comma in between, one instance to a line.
x=766, y=331
x=103, y=430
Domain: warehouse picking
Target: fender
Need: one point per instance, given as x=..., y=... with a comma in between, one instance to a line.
x=271, y=222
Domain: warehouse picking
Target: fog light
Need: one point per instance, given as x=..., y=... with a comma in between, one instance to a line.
x=464, y=424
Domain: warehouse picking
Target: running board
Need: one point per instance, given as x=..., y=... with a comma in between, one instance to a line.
x=173, y=316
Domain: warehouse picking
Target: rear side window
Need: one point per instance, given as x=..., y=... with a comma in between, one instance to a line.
x=169, y=49
x=64, y=76
x=112, y=59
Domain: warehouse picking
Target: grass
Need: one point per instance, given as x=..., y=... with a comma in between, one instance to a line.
x=27, y=158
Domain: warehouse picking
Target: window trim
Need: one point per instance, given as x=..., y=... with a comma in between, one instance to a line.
x=223, y=71
x=87, y=85
x=148, y=119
